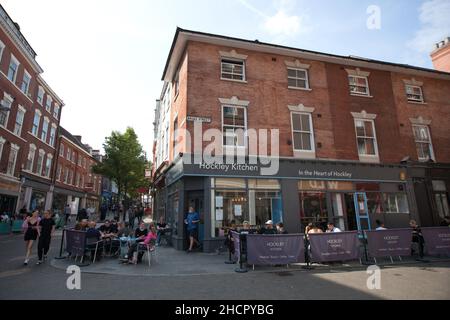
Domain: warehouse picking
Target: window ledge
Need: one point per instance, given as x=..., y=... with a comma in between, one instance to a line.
x=234, y=80
x=11, y=132
x=417, y=102
x=301, y=89
x=303, y=154
x=369, y=159
x=361, y=95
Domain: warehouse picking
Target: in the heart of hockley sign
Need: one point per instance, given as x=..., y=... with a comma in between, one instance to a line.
x=325, y=174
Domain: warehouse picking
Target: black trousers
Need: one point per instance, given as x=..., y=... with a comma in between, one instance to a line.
x=43, y=246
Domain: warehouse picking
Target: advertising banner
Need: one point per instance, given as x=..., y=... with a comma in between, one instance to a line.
x=275, y=249
x=336, y=246
x=391, y=242
x=437, y=240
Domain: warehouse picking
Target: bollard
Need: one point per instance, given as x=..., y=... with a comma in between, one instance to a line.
x=241, y=268
x=61, y=247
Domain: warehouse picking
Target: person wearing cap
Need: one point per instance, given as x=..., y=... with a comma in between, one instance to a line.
x=268, y=229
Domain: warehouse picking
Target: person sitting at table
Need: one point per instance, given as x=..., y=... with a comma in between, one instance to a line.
x=141, y=232
x=315, y=229
x=82, y=225
x=380, y=225
x=114, y=230
x=124, y=230
x=268, y=229
x=148, y=240
x=105, y=229
x=161, y=227
x=93, y=235
x=280, y=228
x=331, y=228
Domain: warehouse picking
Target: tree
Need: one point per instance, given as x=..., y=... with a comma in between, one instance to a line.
x=124, y=162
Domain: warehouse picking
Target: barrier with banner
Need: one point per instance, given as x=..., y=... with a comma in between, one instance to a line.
x=237, y=245
x=275, y=249
x=391, y=242
x=336, y=246
x=75, y=242
x=437, y=240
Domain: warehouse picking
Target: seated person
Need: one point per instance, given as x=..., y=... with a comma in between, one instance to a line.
x=114, y=229
x=105, y=229
x=148, y=240
x=92, y=236
x=316, y=228
x=124, y=230
x=161, y=227
x=280, y=228
x=141, y=232
x=380, y=225
x=82, y=225
x=268, y=229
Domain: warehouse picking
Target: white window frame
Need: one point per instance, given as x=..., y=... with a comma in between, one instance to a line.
x=2, y=49
x=39, y=166
x=367, y=93
x=56, y=109
x=225, y=146
x=2, y=143
x=52, y=138
x=230, y=61
x=37, y=113
x=311, y=133
x=61, y=151
x=367, y=156
x=14, y=148
x=32, y=153
x=40, y=95
x=430, y=143
x=413, y=87
x=68, y=154
x=306, y=79
x=6, y=102
x=18, y=126
x=73, y=156
x=47, y=167
x=58, y=173
x=26, y=74
x=48, y=103
x=13, y=59
x=45, y=129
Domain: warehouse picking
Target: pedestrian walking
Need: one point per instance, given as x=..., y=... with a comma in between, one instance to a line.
x=31, y=226
x=47, y=228
x=67, y=212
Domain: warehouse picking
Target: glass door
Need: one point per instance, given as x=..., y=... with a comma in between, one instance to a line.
x=361, y=211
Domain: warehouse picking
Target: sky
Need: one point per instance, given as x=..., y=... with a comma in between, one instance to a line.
x=105, y=58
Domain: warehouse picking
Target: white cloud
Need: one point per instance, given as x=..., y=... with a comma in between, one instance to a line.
x=435, y=20
x=282, y=24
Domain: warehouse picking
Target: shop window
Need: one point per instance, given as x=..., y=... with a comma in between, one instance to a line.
x=396, y=203
x=231, y=207
x=375, y=202
x=37, y=201
x=264, y=184
x=313, y=208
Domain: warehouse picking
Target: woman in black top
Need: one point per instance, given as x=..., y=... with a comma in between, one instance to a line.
x=31, y=233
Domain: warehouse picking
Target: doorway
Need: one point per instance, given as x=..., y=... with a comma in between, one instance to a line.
x=350, y=211
x=195, y=200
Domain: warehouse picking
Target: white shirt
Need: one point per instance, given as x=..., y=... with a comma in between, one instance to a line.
x=380, y=228
x=335, y=229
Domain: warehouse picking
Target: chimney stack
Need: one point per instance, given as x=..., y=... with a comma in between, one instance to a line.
x=441, y=55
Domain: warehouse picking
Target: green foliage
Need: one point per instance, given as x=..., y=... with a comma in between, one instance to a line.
x=124, y=162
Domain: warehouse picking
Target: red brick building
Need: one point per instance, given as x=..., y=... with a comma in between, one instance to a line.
x=75, y=183
x=359, y=140
x=29, y=121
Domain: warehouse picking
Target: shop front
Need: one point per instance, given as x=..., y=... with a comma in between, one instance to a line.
x=353, y=195
x=35, y=194
x=9, y=194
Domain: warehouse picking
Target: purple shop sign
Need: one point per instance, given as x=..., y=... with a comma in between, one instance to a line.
x=336, y=246
x=237, y=245
x=75, y=242
x=437, y=240
x=391, y=242
x=275, y=249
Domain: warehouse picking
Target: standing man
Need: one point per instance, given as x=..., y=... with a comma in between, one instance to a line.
x=192, y=221
x=47, y=227
x=67, y=212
